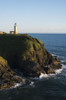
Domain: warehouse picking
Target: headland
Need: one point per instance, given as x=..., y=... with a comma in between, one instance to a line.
x=26, y=54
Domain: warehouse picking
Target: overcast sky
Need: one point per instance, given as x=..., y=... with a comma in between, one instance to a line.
x=33, y=16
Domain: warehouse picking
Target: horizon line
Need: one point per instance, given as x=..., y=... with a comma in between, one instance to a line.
x=40, y=33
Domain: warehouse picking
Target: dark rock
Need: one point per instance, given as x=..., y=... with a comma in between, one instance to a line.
x=26, y=54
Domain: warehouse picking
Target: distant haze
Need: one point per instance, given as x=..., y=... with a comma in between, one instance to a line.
x=33, y=16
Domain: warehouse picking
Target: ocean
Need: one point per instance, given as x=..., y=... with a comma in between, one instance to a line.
x=46, y=87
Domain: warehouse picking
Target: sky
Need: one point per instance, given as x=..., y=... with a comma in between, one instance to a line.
x=33, y=16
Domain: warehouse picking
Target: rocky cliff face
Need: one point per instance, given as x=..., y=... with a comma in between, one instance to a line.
x=37, y=59
x=27, y=54
x=8, y=77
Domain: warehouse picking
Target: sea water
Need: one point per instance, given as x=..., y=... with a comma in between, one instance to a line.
x=46, y=87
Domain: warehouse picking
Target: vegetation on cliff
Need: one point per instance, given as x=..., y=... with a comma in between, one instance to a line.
x=8, y=77
x=25, y=53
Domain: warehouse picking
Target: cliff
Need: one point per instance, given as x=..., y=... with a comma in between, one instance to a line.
x=8, y=77
x=27, y=54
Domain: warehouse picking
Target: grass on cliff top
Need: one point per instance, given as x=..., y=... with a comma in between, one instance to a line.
x=16, y=43
x=12, y=47
x=13, y=43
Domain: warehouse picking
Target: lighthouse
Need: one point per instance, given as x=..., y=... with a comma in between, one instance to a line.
x=15, y=28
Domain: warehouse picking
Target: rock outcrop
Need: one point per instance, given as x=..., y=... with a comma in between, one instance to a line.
x=25, y=53
x=8, y=77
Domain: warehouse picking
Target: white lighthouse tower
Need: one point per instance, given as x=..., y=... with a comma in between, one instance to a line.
x=15, y=28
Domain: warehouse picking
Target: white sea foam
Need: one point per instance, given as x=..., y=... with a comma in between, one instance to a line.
x=45, y=75
x=60, y=56
x=58, y=71
x=53, y=55
x=63, y=66
x=17, y=85
x=63, y=61
x=32, y=84
x=57, y=56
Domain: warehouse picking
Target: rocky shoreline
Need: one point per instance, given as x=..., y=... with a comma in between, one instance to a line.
x=8, y=77
x=28, y=55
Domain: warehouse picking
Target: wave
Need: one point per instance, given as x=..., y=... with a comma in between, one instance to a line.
x=63, y=62
x=19, y=84
x=54, y=55
x=42, y=76
x=59, y=57
x=45, y=75
x=58, y=71
x=63, y=66
x=32, y=84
